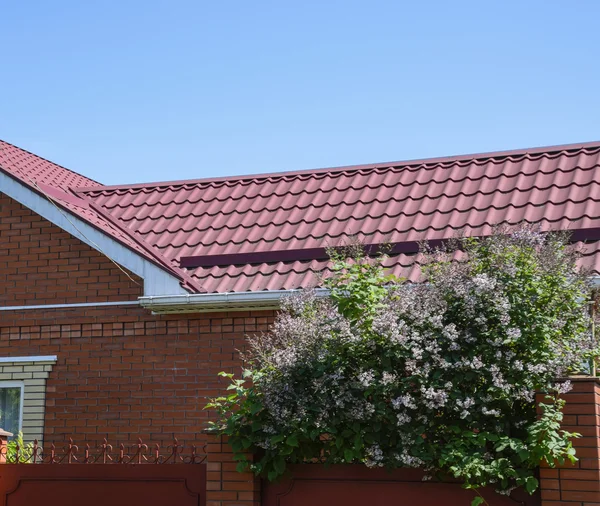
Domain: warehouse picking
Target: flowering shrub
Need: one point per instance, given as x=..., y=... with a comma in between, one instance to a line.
x=439, y=375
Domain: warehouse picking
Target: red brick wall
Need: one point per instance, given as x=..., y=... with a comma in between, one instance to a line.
x=578, y=484
x=121, y=371
x=42, y=264
x=124, y=373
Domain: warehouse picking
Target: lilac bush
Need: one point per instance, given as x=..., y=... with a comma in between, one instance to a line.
x=440, y=375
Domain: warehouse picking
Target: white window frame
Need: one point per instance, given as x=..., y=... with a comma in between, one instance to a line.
x=15, y=384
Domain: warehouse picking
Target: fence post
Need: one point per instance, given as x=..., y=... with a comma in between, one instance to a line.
x=577, y=484
x=4, y=445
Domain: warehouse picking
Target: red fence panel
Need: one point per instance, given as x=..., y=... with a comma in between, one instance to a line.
x=105, y=475
x=102, y=485
x=315, y=485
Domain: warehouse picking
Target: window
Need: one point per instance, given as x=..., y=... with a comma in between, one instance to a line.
x=23, y=394
x=11, y=406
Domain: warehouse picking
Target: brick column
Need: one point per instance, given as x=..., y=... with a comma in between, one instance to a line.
x=577, y=484
x=225, y=486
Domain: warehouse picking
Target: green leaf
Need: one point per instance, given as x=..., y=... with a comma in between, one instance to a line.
x=348, y=455
x=279, y=464
x=477, y=500
x=286, y=450
x=531, y=484
x=236, y=445
x=292, y=441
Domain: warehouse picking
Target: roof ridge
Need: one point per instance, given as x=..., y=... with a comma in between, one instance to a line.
x=352, y=168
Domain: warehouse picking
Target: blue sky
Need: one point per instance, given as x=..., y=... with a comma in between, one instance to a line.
x=130, y=91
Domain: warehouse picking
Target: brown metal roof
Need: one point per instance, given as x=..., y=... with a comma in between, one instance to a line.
x=268, y=231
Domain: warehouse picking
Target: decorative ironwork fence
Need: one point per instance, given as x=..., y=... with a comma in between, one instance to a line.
x=105, y=453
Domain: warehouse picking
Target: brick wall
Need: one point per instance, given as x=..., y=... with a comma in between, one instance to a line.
x=124, y=373
x=578, y=484
x=42, y=264
x=121, y=372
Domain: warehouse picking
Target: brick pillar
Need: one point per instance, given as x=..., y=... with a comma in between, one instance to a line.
x=224, y=485
x=577, y=484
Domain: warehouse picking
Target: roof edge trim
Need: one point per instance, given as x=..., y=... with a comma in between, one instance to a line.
x=156, y=279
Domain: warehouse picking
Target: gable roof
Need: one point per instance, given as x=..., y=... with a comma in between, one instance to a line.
x=58, y=184
x=269, y=231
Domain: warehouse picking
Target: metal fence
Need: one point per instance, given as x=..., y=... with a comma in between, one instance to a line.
x=105, y=453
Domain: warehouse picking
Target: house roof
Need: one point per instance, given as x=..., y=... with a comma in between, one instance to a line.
x=269, y=231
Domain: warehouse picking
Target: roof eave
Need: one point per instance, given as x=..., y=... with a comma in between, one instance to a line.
x=234, y=301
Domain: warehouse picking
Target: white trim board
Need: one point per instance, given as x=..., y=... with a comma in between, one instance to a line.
x=157, y=281
x=37, y=358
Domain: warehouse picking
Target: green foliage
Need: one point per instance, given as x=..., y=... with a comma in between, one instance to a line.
x=25, y=450
x=439, y=375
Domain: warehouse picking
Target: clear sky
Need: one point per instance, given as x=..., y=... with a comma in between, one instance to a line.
x=131, y=90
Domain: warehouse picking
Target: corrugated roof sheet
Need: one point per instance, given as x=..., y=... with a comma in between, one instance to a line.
x=403, y=202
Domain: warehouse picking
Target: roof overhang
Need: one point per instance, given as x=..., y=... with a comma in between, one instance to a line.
x=156, y=279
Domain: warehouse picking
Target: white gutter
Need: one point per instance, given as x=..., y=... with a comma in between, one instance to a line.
x=69, y=306
x=209, y=302
x=231, y=301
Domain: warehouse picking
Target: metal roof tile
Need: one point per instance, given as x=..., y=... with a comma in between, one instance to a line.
x=557, y=187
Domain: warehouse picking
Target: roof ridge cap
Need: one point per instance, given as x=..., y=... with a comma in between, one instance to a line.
x=346, y=168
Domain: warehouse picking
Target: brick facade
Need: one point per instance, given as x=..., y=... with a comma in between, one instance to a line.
x=42, y=264
x=121, y=372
